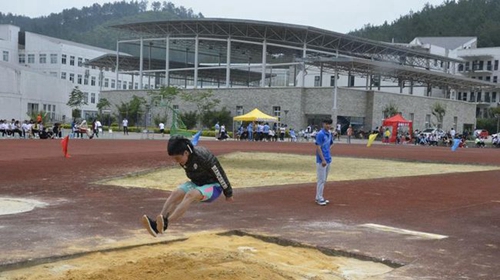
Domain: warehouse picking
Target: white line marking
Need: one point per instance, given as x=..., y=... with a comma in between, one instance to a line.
x=420, y=234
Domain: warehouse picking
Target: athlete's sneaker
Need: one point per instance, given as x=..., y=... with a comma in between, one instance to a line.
x=150, y=225
x=322, y=202
x=161, y=223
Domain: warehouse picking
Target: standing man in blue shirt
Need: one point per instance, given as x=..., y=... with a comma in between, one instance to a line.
x=324, y=141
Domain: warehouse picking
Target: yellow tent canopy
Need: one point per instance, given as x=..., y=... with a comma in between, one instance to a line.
x=255, y=116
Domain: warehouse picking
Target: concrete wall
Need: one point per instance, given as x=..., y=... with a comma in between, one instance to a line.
x=302, y=102
x=21, y=86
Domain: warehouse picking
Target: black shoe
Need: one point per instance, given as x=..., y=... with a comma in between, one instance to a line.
x=150, y=225
x=161, y=223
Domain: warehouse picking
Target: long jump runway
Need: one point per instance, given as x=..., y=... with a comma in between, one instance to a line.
x=426, y=227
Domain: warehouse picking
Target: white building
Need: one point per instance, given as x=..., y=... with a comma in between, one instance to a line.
x=39, y=72
x=479, y=63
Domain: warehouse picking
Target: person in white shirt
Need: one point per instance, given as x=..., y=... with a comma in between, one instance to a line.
x=162, y=129
x=452, y=133
x=125, y=126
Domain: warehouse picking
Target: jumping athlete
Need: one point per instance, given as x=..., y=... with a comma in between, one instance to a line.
x=208, y=181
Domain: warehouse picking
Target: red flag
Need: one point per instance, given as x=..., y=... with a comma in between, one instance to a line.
x=64, y=144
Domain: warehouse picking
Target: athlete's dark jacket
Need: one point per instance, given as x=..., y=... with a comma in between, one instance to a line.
x=203, y=168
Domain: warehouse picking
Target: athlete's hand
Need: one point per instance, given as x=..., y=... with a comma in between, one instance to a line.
x=323, y=163
x=229, y=199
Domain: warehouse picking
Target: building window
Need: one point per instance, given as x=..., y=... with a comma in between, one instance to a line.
x=464, y=97
x=31, y=58
x=487, y=97
x=277, y=112
x=239, y=110
x=79, y=79
x=92, y=81
x=86, y=63
x=460, y=67
x=488, y=78
x=72, y=60
x=459, y=95
x=85, y=97
x=479, y=95
x=119, y=85
x=22, y=58
x=494, y=97
x=124, y=84
x=495, y=79
x=43, y=58
x=317, y=81
x=63, y=75
x=53, y=58
x=80, y=62
x=32, y=108
x=351, y=81
x=92, y=98
x=106, y=82
x=85, y=80
x=136, y=86
x=5, y=56
x=72, y=77
x=427, y=121
x=467, y=66
x=496, y=65
x=63, y=59
x=332, y=81
x=112, y=83
x=130, y=85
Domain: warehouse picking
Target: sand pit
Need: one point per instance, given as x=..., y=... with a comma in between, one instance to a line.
x=206, y=256
x=9, y=205
x=270, y=169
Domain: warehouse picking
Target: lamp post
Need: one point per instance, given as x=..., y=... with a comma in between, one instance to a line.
x=146, y=116
x=498, y=122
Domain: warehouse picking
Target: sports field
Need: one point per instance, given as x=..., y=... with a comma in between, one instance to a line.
x=396, y=212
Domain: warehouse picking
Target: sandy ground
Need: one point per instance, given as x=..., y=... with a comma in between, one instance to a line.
x=206, y=256
x=266, y=169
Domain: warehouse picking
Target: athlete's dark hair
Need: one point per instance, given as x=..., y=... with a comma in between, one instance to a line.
x=178, y=144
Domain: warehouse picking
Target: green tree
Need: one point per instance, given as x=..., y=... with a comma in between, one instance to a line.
x=495, y=113
x=390, y=110
x=223, y=117
x=438, y=111
x=132, y=110
x=34, y=114
x=163, y=98
x=190, y=119
x=103, y=103
x=76, y=101
x=203, y=100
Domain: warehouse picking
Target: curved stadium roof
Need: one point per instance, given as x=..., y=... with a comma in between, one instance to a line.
x=287, y=42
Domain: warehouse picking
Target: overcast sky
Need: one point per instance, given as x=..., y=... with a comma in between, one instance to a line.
x=335, y=15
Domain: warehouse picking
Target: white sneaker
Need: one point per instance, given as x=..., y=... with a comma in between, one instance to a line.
x=322, y=202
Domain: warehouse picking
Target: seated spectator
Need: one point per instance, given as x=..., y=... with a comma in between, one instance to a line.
x=293, y=137
x=56, y=131
x=422, y=140
x=495, y=141
x=433, y=141
x=463, y=142
x=44, y=134
x=16, y=128
x=479, y=142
